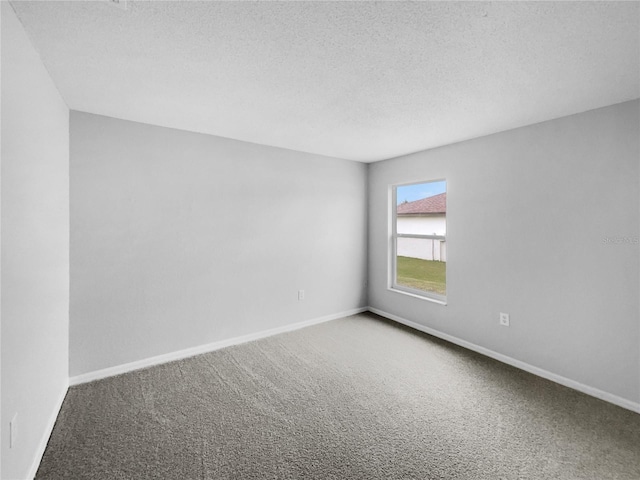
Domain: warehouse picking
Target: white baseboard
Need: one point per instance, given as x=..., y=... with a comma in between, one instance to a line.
x=44, y=440
x=567, y=382
x=190, y=352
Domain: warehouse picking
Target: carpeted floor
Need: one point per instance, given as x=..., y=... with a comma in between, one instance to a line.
x=355, y=398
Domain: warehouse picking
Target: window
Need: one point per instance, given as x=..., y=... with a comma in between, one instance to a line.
x=418, y=239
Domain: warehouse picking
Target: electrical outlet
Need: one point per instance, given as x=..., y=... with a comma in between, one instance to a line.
x=504, y=319
x=13, y=431
x=300, y=295
x=121, y=4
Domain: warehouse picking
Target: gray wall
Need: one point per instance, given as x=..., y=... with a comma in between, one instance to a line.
x=529, y=214
x=180, y=239
x=35, y=248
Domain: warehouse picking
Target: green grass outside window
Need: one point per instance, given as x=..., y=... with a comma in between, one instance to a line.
x=426, y=275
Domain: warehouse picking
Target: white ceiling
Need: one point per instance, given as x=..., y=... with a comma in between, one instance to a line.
x=357, y=80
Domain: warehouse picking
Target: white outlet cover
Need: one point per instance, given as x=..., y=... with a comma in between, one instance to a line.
x=13, y=431
x=504, y=319
x=121, y=4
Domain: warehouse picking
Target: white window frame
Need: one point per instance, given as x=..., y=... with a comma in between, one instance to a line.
x=393, y=248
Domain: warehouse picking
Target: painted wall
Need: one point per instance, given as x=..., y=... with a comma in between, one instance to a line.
x=542, y=223
x=180, y=239
x=35, y=249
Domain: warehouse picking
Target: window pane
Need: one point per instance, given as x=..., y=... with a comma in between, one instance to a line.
x=420, y=264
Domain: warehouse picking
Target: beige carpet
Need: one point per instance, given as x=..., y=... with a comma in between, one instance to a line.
x=356, y=398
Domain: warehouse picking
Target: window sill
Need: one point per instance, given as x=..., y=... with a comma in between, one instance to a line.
x=417, y=295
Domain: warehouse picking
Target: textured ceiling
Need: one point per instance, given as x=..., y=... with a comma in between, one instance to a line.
x=358, y=80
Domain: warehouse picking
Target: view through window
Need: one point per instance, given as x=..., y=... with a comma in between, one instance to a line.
x=419, y=238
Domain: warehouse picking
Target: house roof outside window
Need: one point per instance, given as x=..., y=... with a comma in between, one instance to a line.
x=436, y=204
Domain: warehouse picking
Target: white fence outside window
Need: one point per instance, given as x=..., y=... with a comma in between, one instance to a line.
x=423, y=248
